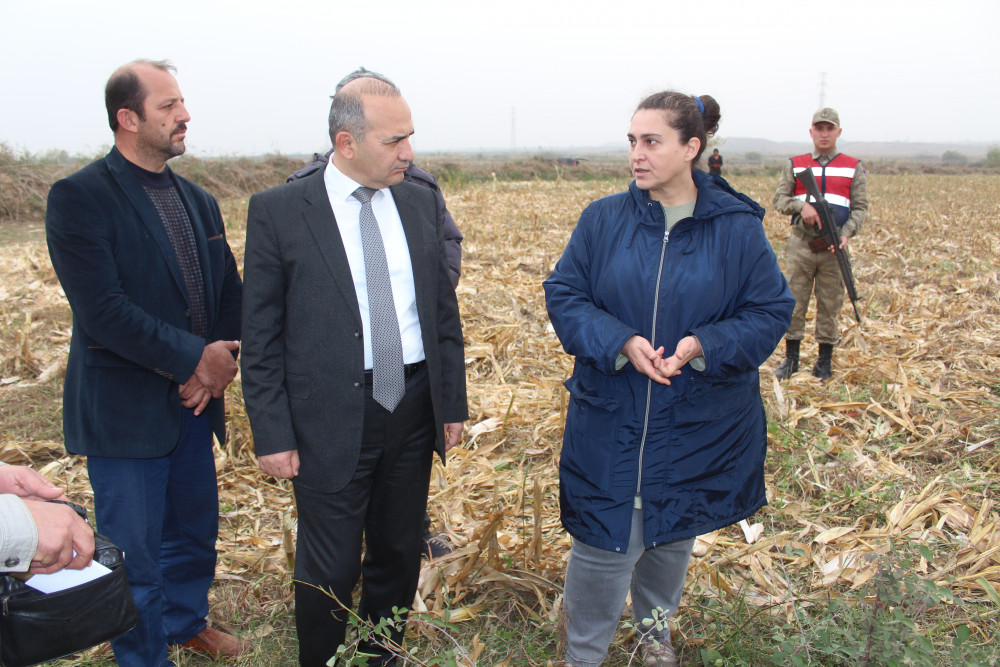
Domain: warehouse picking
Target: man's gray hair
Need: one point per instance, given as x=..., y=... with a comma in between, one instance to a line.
x=347, y=112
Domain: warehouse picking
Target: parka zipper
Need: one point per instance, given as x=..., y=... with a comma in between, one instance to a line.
x=652, y=339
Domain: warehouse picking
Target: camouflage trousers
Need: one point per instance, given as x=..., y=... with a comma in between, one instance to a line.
x=806, y=272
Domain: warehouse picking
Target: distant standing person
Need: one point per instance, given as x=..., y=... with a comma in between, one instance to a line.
x=810, y=263
x=143, y=258
x=715, y=163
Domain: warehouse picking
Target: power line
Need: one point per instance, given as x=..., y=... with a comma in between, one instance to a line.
x=922, y=74
x=917, y=94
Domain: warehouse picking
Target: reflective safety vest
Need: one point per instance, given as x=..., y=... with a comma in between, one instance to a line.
x=834, y=181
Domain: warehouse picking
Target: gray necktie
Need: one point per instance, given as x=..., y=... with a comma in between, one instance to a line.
x=388, y=381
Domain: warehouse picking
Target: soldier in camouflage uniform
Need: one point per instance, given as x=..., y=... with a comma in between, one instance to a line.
x=810, y=263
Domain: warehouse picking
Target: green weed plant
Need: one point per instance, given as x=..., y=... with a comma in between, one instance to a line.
x=898, y=618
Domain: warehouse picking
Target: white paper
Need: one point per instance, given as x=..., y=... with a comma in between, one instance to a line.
x=63, y=579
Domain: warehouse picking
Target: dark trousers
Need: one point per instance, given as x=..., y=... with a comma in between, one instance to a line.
x=164, y=514
x=383, y=505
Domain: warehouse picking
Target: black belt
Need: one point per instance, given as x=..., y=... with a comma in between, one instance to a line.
x=409, y=370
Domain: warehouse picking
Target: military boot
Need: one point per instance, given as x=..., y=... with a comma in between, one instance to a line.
x=824, y=365
x=791, y=363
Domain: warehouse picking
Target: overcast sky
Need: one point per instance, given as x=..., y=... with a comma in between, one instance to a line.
x=539, y=74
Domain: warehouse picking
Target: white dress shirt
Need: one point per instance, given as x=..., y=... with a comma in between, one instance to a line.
x=347, y=211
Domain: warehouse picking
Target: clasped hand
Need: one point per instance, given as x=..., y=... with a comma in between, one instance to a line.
x=653, y=364
x=211, y=376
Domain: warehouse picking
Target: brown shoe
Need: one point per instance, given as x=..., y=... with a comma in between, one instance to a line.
x=217, y=644
x=658, y=653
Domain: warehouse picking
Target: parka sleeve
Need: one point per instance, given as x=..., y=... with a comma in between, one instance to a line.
x=761, y=307
x=587, y=332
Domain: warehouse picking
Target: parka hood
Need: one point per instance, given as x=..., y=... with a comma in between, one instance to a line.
x=715, y=197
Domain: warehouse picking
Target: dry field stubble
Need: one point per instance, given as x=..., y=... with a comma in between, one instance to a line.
x=901, y=445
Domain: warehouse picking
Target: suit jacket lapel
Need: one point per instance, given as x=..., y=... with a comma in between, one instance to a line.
x=130, y=185
x=322, y=225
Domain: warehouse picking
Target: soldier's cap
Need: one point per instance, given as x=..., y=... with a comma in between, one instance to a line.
x=826, y=115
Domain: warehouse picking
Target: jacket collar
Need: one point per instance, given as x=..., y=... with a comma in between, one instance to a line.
x=816, y=155
x=715, y=197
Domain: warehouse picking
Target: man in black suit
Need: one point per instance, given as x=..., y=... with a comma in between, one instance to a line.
x=349, y=408
x=435, y=546
x=142, y=256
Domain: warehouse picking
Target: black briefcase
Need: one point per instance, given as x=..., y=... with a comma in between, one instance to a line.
x=36, y=627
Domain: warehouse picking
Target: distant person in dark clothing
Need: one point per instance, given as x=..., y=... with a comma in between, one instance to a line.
x=715, y=162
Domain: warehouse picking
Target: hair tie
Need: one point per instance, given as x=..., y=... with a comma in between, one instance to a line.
x=701, y=105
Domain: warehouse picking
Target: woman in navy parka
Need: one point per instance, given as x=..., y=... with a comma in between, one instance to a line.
x=669, y=297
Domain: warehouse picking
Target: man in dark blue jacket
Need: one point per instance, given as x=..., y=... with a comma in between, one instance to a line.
x=156, y=297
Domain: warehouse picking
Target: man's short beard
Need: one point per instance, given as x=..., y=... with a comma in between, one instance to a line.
x=176, y=149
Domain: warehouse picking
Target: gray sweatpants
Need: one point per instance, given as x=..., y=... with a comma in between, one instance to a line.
x=598, y=582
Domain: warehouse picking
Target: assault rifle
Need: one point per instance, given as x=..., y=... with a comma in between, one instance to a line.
x=831, y=234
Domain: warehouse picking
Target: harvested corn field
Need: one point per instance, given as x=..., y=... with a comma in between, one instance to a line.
x=887, y=470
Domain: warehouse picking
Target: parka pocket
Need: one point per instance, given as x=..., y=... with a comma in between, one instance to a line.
x=589, y=444
x=715, y=434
